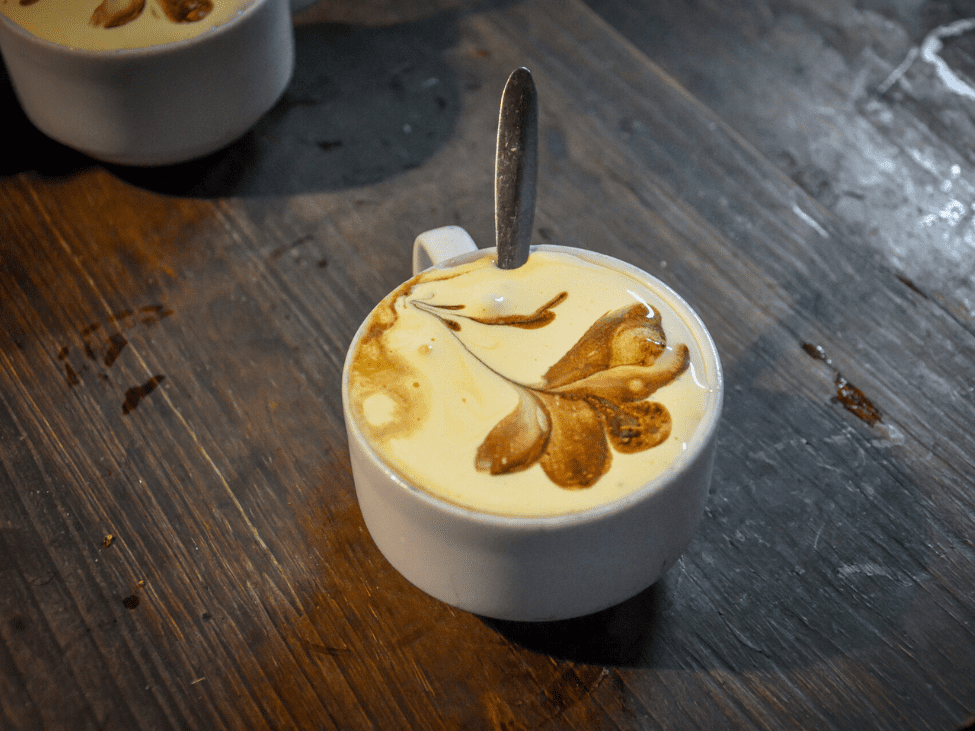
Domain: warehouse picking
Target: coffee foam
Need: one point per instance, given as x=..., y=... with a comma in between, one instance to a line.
x=466, y=378
x=116, y=24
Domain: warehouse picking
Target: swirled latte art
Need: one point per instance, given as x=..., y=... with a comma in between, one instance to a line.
x=543, y=390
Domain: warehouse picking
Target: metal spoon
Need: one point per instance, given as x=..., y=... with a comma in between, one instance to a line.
x=516, y=169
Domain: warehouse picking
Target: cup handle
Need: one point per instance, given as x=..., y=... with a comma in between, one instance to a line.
x=440, y=244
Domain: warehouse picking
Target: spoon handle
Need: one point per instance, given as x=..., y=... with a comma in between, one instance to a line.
x=516, y=169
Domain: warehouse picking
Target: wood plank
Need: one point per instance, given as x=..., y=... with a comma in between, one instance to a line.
x=819, y=282
x=841, y=98
x=827, y=587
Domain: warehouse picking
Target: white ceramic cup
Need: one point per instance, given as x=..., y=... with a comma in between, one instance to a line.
x=538, y=568
x=159, y=104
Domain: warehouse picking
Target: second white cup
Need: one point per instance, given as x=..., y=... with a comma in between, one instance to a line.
x=159, y=104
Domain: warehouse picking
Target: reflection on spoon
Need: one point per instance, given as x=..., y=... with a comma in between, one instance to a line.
x=516, y=169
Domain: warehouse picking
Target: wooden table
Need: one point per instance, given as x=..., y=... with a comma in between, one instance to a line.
x=180, y=544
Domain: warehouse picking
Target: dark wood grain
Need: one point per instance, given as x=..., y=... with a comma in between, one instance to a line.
x=180, y=545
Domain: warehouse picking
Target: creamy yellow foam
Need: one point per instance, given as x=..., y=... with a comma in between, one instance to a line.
x=69, y=22
x=429, y=383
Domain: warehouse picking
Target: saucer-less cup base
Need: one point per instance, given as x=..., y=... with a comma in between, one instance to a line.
x=535, y=569
x=530, y=569
x=160, y=104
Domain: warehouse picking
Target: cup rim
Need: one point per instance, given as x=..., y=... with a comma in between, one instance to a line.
x=158, y=49
x=696, y=445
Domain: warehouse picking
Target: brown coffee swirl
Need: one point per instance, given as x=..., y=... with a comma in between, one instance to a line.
x=506, y=392
x=112, y=24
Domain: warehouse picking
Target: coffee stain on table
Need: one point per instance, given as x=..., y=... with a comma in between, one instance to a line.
x=911, y=286
x=116, y=342
x=855, y=402
x=70, y=374
x=133, y=600
x=103, y=343
x=135, y=394
x=849, y=396
x=817, y=352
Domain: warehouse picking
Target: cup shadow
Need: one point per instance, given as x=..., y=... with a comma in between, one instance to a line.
x=620, y=636
x=29, y=148
x=364, y=104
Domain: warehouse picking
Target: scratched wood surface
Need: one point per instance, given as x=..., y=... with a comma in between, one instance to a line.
x=180, y=545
